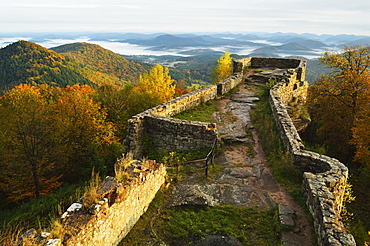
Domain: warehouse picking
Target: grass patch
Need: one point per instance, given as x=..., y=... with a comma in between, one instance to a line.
x=358, y=223
x=142, y=233
x=202, y=112
x=39, y=213
x=284, y=171
x=187, y=225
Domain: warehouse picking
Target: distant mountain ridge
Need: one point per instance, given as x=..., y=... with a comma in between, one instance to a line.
x=271, y=44
x=237, y=43
x=168, y=41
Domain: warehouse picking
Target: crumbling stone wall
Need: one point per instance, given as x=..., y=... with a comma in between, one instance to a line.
x=171, y=134
x=179, y=135
x=324, y=177
x=257, y=62
x=120, y=207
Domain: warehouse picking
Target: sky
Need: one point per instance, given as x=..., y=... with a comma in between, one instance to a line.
x=186, y=16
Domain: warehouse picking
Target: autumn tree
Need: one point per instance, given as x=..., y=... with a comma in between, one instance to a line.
x=81, y=128
x=339, y=99
x=361, y=137
x=49, y=135
x=115, y=100
x=28, y=150
x=121, y=103
x=223, y=69
x=157, y=83
x=181, y=88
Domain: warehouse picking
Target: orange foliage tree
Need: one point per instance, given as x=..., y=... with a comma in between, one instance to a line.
x=80, y=126
x=28, y=150
x=48, y=132
x=338, y=102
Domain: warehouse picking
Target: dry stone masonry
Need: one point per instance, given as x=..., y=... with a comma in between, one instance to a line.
x=172, y=134
x=324, y=177
x=120, y=206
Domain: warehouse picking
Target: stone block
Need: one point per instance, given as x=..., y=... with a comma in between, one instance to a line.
x=285, y=210
x=286, y=220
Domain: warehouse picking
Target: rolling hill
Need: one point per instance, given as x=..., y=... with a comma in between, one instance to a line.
x=27, y=62
x=291, y=48
x=103, y=61
x=83, y=63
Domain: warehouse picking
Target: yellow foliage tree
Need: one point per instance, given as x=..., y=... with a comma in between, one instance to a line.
x=158, y=83
x=223, y=69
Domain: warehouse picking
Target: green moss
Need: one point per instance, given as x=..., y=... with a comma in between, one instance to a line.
x=142, y=233
x=284, y=171
x=187, y=225
x=202, y=112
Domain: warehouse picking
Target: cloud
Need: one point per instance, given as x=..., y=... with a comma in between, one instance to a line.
x=317, y=16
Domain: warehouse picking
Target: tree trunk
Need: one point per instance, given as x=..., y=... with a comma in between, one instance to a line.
x=35, y=180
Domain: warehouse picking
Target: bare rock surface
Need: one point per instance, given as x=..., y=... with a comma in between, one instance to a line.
x=219, y=240
x=194, y=194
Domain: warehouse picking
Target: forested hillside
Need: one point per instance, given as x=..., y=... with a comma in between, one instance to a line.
x=78, y=63
x=54, y=133
x=27, y=62
x=102, y=60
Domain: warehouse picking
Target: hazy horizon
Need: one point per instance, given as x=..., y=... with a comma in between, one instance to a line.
x=133, y=49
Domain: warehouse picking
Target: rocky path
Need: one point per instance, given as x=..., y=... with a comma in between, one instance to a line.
x=247, y=180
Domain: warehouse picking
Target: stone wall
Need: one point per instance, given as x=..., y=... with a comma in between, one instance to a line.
x=324, y=177
x=257, y=62
x=105, y=223
x=120, y=207
x=179, y=135
x=171, y=134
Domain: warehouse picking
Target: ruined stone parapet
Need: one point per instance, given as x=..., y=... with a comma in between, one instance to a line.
x=184, y=102
x=231, y=82
x=120, y=207
x=239, y=65
x=324, y=178
x=171, y=134
x=179, y=135
x=258, y=62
